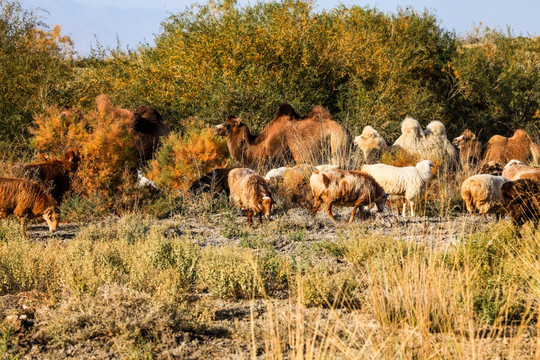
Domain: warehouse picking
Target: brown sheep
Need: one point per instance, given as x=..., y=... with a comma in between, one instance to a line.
x=500, y=150
x=522, y=200
x=348, y=188
x=54, y=174
x=27, y=200
x=516, y=170
x=483, y=192
x=287, y=137
x=470, y=150
x=251, y=193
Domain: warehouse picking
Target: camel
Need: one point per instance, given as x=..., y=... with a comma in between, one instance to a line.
x=288, y=137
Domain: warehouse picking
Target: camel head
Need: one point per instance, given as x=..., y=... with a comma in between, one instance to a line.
x=464, y=138
x=228, y=126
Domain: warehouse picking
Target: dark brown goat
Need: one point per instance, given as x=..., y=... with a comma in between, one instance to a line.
x=522, y=200
x=216, y=181
x=55, y=175
x=26, y=200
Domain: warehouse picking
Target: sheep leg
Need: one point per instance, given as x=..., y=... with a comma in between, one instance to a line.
x=354, y=212
x=24, y=221
x=412, y=207
x=316, y=206
x=403, y=213
x=260, y=218
x=329, y=211
x=249, y=214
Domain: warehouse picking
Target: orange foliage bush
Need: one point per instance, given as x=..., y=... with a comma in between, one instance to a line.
x=399, y=158
x=182, y=159
x=104, y=138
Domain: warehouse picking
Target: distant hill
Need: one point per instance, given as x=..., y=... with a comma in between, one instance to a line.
x=85, y=23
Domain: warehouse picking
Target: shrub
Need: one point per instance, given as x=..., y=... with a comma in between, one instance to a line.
x=183, y=158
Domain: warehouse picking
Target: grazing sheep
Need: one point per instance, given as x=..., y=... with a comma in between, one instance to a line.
x=483, y=192
x=410, y=181
x=251, y=193
x=470, y=150
x=522, y=200
x=349, y=188
x=371, y=143
x=275, y=174
x=55, y=175
x=26, y=200
x=516, y=170
x=216, y=181
x=520, y=146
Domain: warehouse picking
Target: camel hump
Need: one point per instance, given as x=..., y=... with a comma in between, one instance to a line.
x=287, y=110
x=320, y=113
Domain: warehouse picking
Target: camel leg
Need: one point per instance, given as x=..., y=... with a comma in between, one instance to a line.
x=353, y=213
x=249, y=214
x=329, y=211
x=316, y=206
x=24, y=221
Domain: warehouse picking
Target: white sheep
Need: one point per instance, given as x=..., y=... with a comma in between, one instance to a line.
x=371, y=143
x=516, y=170
x=326, y=167
x=143, y=181
x=483, y=192
x=410, y=181
x=275, y=174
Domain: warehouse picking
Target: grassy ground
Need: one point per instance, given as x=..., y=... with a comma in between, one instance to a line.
x=202, y=284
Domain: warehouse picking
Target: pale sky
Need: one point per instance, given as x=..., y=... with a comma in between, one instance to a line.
x=137, y=21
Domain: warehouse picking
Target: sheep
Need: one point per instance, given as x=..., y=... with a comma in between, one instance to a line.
x=522, y=200
x=251, y=193
x=55, y=175
x=275, y=174
x=410, y=181
x=326, y=167
x=483, y=192
x=143, y=181
x=349, y=188
x=516, y=170
x=371, y=143
x=27, y=200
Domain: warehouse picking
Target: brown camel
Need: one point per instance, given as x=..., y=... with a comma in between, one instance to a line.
x=315, y=138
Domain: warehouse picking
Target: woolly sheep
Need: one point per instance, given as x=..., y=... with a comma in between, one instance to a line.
x=349, y=188
x=275, y=174
x=250, y=192
x=410, y=181
x=371, y=143
x=483, y=192
x=143, y=181
x=516, y=170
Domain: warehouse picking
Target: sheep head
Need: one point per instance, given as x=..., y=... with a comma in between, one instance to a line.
x=52, y=218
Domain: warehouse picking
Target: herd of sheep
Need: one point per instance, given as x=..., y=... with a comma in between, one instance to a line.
x=499, y=180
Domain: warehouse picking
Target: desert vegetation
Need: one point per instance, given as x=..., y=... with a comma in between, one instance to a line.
x=138, y=272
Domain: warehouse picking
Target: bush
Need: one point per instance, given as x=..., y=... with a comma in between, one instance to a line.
x=182, y=159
